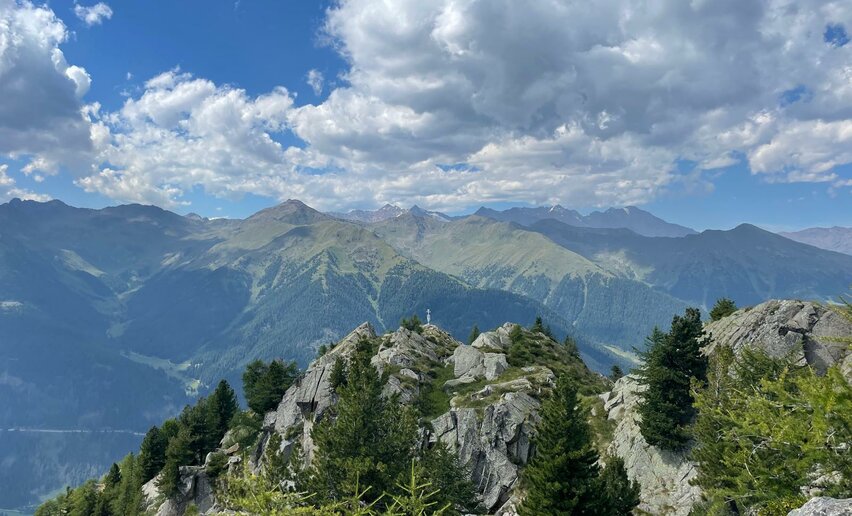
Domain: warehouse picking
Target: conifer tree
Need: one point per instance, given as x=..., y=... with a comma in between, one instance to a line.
x=265, y=384
x=127, y=497
x=222, y=406
x=113, y=477
x=178, y=453
x=451, y=480
x=369, y=439
x=616, y=494
x=152, y=453
x=560, y=479
x=723, y=308
x=671, y=362
x=474, y=333
x=571, y=346
x=338, y=373
x=616, y=373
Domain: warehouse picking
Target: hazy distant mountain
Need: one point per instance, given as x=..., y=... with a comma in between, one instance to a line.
x=113, y=319
x=387, y=211
x=837, y=238
x=606, y=307
x=746, y=264
x=632, y=218
x=636, y=220
x=529, y=216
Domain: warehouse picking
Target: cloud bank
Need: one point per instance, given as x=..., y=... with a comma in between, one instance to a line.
x=450, y=104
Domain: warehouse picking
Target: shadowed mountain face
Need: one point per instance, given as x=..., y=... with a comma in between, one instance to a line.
x=632, y=218
x=832, y=239
x=113, y=319
x=746, y=264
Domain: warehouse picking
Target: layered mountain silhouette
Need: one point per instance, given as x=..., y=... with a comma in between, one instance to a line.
x=113, y=319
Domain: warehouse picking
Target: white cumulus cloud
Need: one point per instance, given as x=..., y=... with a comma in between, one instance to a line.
x=93, y=14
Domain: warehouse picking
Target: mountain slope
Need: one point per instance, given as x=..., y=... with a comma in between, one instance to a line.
x=746, y=264
x=600, y=305
x=832, y=239
x=630, y=217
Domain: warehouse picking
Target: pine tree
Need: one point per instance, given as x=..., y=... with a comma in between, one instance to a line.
x=616, y=494
x=152, y=453
x=560, y=479
x=451, y=480
x=223, y=406
x=571, y=346
x=178, y=453
x=671, y=362
x=723, y=308
x=113, y=477
x=265, y=384
x=338, y=373
x=474, y=333
x=616, y=373
x=369, y=439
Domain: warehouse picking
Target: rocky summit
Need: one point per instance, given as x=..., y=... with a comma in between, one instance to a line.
x=484, y=400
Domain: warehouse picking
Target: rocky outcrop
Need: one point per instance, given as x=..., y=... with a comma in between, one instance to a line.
x=309, y=398
x=824, y=507
x=490, y=426
x=802, y=330
x=664, y=476
x=494, y=446
x=196, y=489
x=495, y=340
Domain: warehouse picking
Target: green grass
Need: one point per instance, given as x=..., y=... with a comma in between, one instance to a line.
x=434, y=400
x=602, y=428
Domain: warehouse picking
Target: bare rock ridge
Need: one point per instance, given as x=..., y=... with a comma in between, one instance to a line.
x=803, y=330
x=799, y=329
x=493, y=439
x=492, y=407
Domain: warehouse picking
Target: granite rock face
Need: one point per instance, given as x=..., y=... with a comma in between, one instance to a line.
x=490, y=429
x=802, y=330
x=494, y=446
x=663, y=476
x=195, y=489
x=824, y=507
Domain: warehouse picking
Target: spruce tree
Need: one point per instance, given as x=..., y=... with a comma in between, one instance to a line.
x=338, y=373
x=265, y=384
x=671, y=362
x=616, y=373
x=127, y=497
x=723, y=308
x=616, y=494
x=369, y=440
x=222, y=406
x=560, y=479
x=152, y=453
x=447, y=476
x=113, y=477
x=178, y=453
x=571, y=346
x=474, y=334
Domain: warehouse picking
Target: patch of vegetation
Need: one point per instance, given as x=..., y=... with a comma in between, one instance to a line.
x=723, y=308
x=766, y=430
x=434, y=400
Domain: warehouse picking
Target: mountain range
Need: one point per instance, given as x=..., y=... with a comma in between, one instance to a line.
x=113, y=319
x=834, y=239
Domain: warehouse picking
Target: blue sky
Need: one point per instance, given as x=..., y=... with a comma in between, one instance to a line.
x=206, y=107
